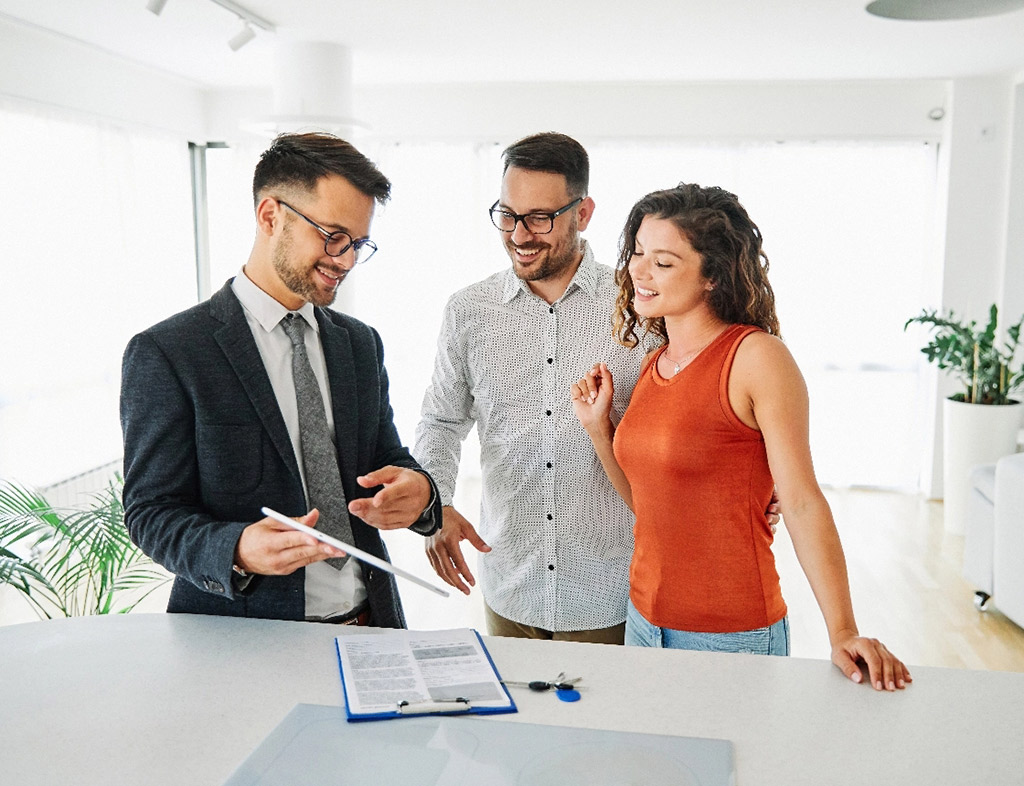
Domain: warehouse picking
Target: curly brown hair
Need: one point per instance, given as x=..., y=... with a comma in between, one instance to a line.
x=729, y=244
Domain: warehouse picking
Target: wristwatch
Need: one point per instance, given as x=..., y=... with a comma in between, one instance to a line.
x=424, y=522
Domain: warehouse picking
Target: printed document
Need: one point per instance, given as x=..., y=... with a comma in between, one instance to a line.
x=392, y=672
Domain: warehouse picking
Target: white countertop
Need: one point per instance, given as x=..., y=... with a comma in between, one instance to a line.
x=169, y=699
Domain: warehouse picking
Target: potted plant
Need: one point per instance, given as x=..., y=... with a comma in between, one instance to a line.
x=72, y=562
x=982, y=421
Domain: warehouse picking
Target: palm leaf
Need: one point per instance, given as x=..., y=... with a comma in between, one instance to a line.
x=72, y=561
x=33, y=586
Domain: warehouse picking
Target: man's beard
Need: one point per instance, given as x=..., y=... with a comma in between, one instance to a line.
x=299, y=283
x=559, y=257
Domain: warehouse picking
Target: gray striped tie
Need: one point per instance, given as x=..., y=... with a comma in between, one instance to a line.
x=319, y=454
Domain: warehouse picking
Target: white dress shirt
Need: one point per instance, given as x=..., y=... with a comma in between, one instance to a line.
x=329, y=592
x=561, y=536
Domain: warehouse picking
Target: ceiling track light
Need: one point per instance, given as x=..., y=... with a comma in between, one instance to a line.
x=249, y=21
x=246, y=15
x=242, y=37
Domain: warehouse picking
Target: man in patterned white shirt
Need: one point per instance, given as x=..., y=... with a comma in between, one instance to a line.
x=556, y=539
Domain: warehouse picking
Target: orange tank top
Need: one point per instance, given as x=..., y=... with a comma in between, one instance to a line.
x=700, y=480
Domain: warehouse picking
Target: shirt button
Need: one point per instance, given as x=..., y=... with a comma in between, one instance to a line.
x=549, y=517
x=551, y=310
x=551, y=567
x=549, y=413
x=551, y=360
x=549, y=465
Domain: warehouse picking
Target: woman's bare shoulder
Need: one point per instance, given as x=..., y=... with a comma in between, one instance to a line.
x=764, y=355
x=759, y=344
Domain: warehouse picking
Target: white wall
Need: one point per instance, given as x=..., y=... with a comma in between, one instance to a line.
x=42, y=67
x=717, y=112
x=1012, y=296
x=974, y=232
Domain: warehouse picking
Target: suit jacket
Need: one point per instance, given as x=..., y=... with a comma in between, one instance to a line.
x=205, y=446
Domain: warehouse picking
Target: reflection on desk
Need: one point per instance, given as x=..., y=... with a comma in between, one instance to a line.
x=317, y=746
x=171, y=699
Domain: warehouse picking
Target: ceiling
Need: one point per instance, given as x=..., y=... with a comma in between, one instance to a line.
x=396, y=41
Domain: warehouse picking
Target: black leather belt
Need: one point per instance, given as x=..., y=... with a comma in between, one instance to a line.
x=359, y=616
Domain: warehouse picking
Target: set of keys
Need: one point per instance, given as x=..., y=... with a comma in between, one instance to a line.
x=564, y=688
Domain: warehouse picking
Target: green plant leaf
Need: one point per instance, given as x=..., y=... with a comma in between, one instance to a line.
x=73, y=561
x=988, y=372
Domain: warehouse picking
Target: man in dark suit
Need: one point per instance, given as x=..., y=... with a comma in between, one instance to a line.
x=213, y=431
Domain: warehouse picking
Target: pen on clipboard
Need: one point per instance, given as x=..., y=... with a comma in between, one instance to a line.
x=359, y=554
x=448, y=706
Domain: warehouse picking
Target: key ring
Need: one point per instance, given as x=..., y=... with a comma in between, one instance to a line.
x=565, y=689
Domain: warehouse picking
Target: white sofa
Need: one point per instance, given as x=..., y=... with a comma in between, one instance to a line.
x=994, y=546
x=979, y=533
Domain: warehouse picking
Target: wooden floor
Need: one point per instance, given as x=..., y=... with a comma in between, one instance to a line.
x=904, y=575
x=906, y=585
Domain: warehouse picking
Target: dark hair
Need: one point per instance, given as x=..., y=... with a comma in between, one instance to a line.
x=301, y=160
x=729, y=244
x=551, y=152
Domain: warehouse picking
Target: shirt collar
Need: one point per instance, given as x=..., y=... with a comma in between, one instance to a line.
x=267, y=311
x=585, y=279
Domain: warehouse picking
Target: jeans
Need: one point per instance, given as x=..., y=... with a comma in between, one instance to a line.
x=772, y=640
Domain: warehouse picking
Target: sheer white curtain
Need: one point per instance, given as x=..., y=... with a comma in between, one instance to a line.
x=232, y=223
x=96, y=244
x=846, y=229
x=434, y=238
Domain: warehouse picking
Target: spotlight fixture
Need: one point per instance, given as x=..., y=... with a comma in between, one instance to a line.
x=242, y=37
x=249, y=22
x=922, y=10
x=156, y=6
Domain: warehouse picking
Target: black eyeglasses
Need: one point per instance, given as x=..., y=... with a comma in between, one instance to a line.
x=337, y=243
x=535, y=223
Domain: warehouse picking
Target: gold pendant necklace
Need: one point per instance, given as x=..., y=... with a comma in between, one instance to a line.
x=685, y=360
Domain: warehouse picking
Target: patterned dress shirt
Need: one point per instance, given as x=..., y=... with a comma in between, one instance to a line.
x=561, y=536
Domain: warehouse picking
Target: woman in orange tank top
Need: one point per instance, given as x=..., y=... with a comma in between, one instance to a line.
x=719, y=416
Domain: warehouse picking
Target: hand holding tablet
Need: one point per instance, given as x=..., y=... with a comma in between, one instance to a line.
x=359, y=554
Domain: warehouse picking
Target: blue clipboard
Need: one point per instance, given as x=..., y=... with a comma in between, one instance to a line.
x=454, y=705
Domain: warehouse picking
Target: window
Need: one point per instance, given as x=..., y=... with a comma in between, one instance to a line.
x=96, y=245
x=846, y=226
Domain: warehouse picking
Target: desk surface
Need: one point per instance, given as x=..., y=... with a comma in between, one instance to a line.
x=170, y=699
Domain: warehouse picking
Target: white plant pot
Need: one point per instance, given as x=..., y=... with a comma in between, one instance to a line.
x=973, y=434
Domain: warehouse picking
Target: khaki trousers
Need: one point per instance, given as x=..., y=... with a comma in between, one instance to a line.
x=499, y=626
